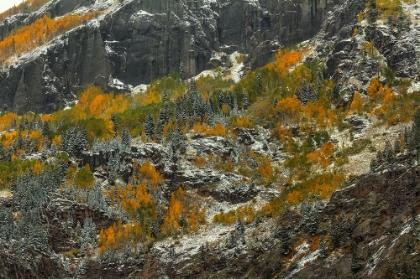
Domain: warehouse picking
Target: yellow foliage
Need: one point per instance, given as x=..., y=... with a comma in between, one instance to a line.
x=39, y=32
x=321, y=157
x=266, y=170
x=6, y=120
x=150, y=173
x=199, y=161
x=289, y=109
x=357, y=103
x=245, y=213
x=151, y=96
x=242, y=121
x=375, y=91
x=285, y=60
x=171, y=222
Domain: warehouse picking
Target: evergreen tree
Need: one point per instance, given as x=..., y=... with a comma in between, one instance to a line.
x=126, y=140
x=240, y=231
x=149, y=126
x=285, y=242
x=115, y=123
x=245, y=102
x=165, y=98
x=275, y=102
x=167, y=112
x=355, y=265
x=6, y=225
x=397, y=146
x=372, y=12
x=182, y=71
x=96, y=198
x=45, y=129
x=159, y=130
x=2, y=152
x=260, y=83
x=313, y=223
x=323, y=247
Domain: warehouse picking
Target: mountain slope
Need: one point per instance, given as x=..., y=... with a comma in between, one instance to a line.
x=239, y=159
x=136, y=42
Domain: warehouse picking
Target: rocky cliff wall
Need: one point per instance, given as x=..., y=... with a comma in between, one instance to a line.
x=143, y=40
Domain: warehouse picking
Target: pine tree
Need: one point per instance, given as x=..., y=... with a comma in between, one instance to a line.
x=235, y=105
x=149, y=126
x=165, y=98
x=372, y=12
x=182, y=71
x=159, y=130
x=245, y=102
x=275, y=102
x=285, y=242
x=313, y=223
x=355, y=265
x=126, y=140
x=260, y=83
x=397, y=146
x=2, y=152
x=45, y=129
x=115, y=123
x=323, y=247
x=240, y=230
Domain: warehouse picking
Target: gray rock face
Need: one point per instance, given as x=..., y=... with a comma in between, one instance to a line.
x=54, y=8
x=358, y=123
x=44, y=80
x=233, y=190
x=144, y=40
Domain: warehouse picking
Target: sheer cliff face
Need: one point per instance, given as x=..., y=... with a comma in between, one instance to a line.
x=143, y=40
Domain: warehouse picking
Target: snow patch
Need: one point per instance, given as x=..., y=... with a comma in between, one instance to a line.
x=144, y=13
x=305, y=260
x=236, y=70
x=188, y=246
x=5, y=194
x=375, y=259
x=406, y=229
x=415, y=87
x=119, y=85
x=140, y=89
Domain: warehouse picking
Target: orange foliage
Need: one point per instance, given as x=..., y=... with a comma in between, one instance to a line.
x=242, y=122
x=321, y=157
x=245, y=213
x=387, y=110
x=31, y=5
x=116, y=236
x=199, y=161
x=218, y=130
x=57, y=141
x=150, y=173
x=285, y=60
x=8, y=138
x=289, y=108
x=357, y=103
x=131, y=198
x=171, y=222
x=151, y=96
x=266, y=170
x=375, y=90
x=6, y=120
x=38, y=33
x=295, y=196
x=94, y=102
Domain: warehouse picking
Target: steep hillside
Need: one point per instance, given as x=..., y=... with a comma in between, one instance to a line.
x=209, y=139
x=134, y=42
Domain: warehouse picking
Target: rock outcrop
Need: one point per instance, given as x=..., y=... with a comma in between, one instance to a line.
x=139, y=41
